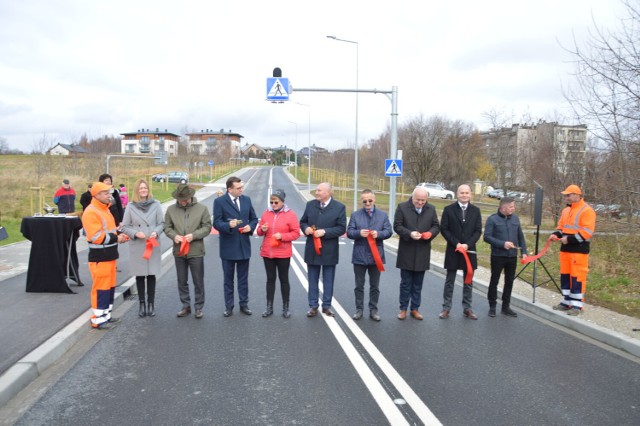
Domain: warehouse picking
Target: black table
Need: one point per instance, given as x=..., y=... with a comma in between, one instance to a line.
x=53, y=256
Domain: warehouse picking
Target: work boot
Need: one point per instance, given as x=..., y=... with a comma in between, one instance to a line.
x=285, y=310
x=142, y=312
x=509, y=312
x=574, y=312
x=561, y=307
x=269, y=310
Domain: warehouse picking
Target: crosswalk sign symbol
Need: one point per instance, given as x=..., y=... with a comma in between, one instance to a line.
x=393, y=167
x=277, y=89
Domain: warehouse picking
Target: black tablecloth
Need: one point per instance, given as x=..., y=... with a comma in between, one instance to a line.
x=53, y=241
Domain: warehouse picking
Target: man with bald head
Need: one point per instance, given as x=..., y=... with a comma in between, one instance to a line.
x=324, y=221
x=461, y=226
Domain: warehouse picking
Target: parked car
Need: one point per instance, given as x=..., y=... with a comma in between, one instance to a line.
x=496, y=193
x=160, y=177
x=178, y=177
x=437, y=191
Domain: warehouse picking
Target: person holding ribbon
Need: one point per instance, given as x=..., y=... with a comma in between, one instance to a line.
x=416, y=223
x=143, y=223
x=368, y=228
x=279, y=226
x=461, y=226
x=504, y=233
x=187, y=223
x=324, y=221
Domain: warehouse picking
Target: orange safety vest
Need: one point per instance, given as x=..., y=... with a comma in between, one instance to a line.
x=578, y=222
x=100, y=227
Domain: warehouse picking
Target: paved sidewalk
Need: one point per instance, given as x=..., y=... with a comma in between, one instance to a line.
x=39, y=328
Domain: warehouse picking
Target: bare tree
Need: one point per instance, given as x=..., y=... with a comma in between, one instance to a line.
x=421, y=141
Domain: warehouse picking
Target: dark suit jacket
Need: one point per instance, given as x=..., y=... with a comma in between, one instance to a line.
x=233, y=244
x=333, y=219
x=414, y=255
x=455, y=231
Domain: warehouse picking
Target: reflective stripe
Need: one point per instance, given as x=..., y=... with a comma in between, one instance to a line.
x=107, y=238
x=100, y=246
x=576, y=226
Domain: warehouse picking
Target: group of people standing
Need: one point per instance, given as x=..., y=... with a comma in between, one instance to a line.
x=187, y=222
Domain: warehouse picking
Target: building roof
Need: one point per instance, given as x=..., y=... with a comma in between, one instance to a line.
x=71, y=147
x=157, y=131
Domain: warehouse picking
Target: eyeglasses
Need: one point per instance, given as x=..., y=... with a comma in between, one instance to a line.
x=367, y=201
x=274, y=202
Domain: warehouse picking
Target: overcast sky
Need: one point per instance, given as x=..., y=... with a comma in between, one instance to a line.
x=73, y=67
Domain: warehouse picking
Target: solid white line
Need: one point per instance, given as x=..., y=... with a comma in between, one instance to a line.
x=412, y=399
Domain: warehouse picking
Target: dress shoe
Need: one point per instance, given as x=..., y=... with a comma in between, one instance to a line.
x=114, y=320
x=357, y=315
x=402, y=315
x=198, y=314
x=228, y=312
x=444, y=314
x=492, y=311
x=285, y=310
x=469, y=314
x=142, y=312
x=150, y=310
x=184, y=312
x=374, y=315
x=105, y=326
x=312, y=312
x=509, y=312
x=245, y=310
x=328, y=312
x=416, y=314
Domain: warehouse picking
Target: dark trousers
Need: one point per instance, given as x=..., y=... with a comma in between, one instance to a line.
x=150, y=290
x=410, y=288
x=196, y=266
x=447, y=294
x=277, y=267
x=374, y=285
x=229, y=269
x=313, y=276
x=498, y=264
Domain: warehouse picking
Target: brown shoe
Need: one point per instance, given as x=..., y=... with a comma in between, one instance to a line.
x=444, y=314
x=402, y=315
x=469, y=314
x=327, y=311
x=417, y=315
x=184, y=312
x=312, y=312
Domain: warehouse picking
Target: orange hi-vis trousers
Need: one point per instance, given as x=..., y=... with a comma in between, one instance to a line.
x=573, y=278
x=103, y=290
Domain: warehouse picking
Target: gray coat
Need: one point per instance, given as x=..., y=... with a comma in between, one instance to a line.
x=136, y=219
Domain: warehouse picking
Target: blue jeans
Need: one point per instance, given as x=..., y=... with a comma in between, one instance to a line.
x=229, y=267
x=313, y=275
x=410, y=288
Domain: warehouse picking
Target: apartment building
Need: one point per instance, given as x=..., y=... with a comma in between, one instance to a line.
x=145, y=141
x=208, y=142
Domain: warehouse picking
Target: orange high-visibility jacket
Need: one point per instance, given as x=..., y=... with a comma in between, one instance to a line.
x=101, y=231
x=578, y=223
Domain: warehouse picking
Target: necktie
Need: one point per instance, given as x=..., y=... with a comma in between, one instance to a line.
x=237, y=203
x=464, y=211
x=322, y=205
x=370, y=213
x=418, y=211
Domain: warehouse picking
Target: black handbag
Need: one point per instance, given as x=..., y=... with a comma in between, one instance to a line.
x=3, y=231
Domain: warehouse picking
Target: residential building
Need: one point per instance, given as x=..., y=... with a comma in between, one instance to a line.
x=65, y=149
x=145, y=141
x=209, y=142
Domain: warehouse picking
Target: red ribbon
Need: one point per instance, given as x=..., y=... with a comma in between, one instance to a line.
x=532, y=258
x=184, y=248
x=426, y=235
x=151, y=243
x=317, y=244
x=274, y=242
x=468, y=279
x=375, y=252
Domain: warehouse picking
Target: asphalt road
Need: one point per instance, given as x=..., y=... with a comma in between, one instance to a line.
x=249, y=370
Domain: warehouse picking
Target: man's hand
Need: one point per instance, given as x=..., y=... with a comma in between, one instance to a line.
x=415, y=235
x=320, y=233
x=509, y=245
x=188, y=237
x=177, y=239
x=554, y=237
x=465, y=247
x=364, y=233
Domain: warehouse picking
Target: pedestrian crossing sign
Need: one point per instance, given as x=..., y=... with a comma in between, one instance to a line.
x=277, y=89
x=392, y=167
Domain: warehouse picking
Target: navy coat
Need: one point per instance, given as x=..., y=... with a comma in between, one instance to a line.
x=455, y=231
x=233, y=244
x=359, y=220
x=333, y=219
x=414, y=255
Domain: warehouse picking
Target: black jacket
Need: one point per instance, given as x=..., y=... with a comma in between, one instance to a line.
x=455, y=231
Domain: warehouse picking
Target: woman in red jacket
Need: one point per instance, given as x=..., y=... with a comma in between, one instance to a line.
x=279, y=225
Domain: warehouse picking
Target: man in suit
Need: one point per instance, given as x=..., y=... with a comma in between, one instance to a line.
x=235, y=220
x=416, y=223
x=323, y=222
x=461, y=226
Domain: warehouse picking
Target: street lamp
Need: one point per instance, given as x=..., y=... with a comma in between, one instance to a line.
x=309, y=148
x=355, y=167
x=295, y=152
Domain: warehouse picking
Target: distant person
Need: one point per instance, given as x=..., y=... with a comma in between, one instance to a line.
x=324, y=221
x=115, y=206
x=143, y=221
x=461, y=226
x=235, y=220
x=279, y=226
x=65, y=198
x=575, y=228
x=369, y=221
x=85, y=198
x=416, y=223
x=187, y=223
x=103, y=239
x=504, y=233
x=124, y=196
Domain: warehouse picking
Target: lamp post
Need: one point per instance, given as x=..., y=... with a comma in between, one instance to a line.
x=295, y=152
x=355, y=166
x=309, y=147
